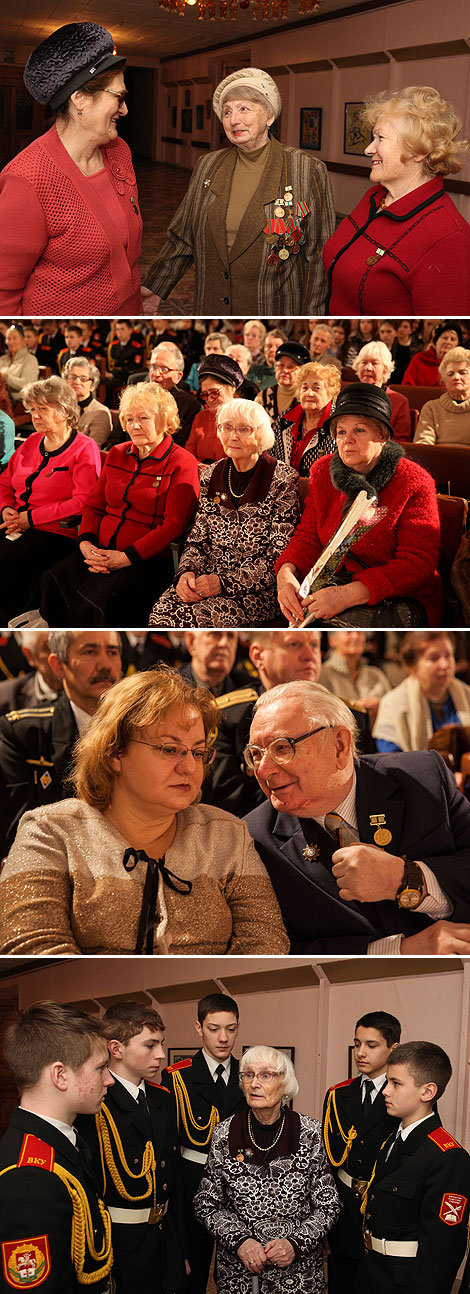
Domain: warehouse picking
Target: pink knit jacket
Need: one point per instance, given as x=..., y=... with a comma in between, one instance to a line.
x=51, y=487
x=69, y=243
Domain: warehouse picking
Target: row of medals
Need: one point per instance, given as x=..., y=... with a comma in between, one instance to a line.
x=282, y=245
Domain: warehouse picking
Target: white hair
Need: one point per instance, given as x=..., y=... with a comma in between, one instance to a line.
x=319, y=705
x=278, y=1062
x=254, y=415
x=81, y=361
x=375, y=350
x=174, y=351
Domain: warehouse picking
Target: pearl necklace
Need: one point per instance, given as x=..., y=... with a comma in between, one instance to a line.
x=264, y=1149
x=232, y=491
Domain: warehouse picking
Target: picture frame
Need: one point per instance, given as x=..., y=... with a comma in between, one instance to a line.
x=187, y=121
x=180, y=1053
x=187, y=98
x=174, y=118
x=310, y=129
x=356, y=135
x=199, y=116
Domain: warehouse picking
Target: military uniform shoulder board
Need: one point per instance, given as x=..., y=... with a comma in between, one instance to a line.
x=160, y=1086
x=179, y=1064
x=346, y=1083
x=35, y=1153
x=240, y=697
x=444, y=1139
x=356, y=705
x=28, y=714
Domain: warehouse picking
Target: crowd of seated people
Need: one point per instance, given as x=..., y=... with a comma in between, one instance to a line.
x=295, y=370
x=198, y=695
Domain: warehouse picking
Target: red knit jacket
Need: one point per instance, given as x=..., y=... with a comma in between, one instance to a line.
x=425, y=268
x=69, y=243
x=51, y=486
x=203, y=440
x=400, y=552
x=423, y=369
x=140, y=505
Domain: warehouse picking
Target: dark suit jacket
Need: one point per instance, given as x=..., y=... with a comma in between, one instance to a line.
x=34, y=1202
x=429, y=820
x=135, y=1128
x=372, y=1130
x=35, y=753
x=421, y=1194
x=203, y=1097
x=19, y=694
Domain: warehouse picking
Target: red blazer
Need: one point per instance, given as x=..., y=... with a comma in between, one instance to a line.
x=140, y=505
x=401, y=551
x=426, y=266
x=203, y=440
x=69, y=243
x=51, y=486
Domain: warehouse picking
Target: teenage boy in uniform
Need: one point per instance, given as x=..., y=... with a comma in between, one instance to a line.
x=206, y=1090
x=416, y=1205
x=355, y=1123
x=55, y=1232
x=134, y=1145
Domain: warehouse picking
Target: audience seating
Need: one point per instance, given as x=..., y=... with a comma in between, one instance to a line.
x=418, y=395
x=449, y=465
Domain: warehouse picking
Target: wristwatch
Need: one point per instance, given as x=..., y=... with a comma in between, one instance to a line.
x=410, y=891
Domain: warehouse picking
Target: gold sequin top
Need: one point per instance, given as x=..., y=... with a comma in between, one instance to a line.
x=64, y=888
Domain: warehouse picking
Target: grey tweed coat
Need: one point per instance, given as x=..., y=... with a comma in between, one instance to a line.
x=241, y=282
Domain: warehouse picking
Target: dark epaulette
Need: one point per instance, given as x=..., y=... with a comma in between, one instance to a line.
x=46, y=711
x=346, y=1083
x=241, y=697
x=179, y=1064
x=444, y=1139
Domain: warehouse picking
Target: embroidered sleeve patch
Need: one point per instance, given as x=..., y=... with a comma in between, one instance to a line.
x=26, y=1263
x=452, y=1209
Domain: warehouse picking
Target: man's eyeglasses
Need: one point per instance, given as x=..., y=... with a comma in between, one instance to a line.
x=281, y=751
x=172, y=753
x=161, y=368
x=120, y=95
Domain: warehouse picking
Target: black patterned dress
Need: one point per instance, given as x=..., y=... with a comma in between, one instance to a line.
x=288, y=1192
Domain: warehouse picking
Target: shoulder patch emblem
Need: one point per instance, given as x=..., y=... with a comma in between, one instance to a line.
x=179, y=1064
x=26, y=1263
x=452, y=1209
x=36, y=1154
x=444, y=1139
x=240, y=697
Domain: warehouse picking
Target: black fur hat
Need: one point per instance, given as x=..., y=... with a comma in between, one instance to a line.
x=67, y=59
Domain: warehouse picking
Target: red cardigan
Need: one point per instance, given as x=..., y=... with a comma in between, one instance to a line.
x=426, y=266
x=140, y=505
x=69, y=243
x=51, y=486
x=203, y=440
x=402, y=548
x=423, y=369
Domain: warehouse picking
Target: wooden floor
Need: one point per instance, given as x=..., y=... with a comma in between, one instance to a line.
x=161, y=189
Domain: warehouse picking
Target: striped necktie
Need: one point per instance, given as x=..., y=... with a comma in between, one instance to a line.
x=341, y=831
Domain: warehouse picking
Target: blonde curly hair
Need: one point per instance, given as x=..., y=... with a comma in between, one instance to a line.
x=430, y=126
x=152, y=397
x=326, y=373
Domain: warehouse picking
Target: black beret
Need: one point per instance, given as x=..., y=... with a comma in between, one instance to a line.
x=67, y=59
x=449, y=325
x=222, y=367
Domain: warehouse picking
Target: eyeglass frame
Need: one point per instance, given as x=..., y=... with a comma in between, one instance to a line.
x=208, y=754
x=162, y=368
x=120, y=95
x=267, y=1074
x=293, y=742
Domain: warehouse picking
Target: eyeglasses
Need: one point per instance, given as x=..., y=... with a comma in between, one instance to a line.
x=228, y=427
x=161, y=368
x=280, y=751
x=210, y=395
x=120, y=95
x=265, y=1076
x=173, y=753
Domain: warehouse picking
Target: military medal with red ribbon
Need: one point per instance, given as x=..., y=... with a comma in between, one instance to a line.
x=283, y=232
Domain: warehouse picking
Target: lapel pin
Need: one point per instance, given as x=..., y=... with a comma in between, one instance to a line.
x=311, y=853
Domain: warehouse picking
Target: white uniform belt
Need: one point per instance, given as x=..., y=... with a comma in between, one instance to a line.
x=196, y=1155
x=356, y=1184
x=133, y=1216
x=345, y=1177
x=392, y=1248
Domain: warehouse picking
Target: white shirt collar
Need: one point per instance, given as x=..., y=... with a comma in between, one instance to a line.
x=378, y=1084
x=82, y=719
x=64, y=1128
x=405, y=1132
x=346, y=808
x=132, y=1088
x=214, y=1063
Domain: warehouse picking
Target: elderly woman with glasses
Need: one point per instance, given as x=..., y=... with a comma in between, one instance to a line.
x=135, y=864
x=248, y=502
x=267, y=1194
x=84, y=379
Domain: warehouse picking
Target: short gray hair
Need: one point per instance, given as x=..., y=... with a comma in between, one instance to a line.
x=60, y=642
x=254, y=415
x=279, y=1062
x=174, y=351
x=323, y=327
x=319, y=705
x=56, y=393
x=81, y=361
x=375, y=350
x=218, y=336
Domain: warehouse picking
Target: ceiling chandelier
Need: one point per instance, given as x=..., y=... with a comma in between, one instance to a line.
x=264, y=9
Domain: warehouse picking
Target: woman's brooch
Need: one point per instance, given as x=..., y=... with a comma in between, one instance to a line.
x=284, y=233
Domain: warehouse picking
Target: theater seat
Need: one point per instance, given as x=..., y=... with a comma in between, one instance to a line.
x=449, y=465
x=418, y=395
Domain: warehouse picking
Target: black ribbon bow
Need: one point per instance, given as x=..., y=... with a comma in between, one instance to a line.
x=155, y=866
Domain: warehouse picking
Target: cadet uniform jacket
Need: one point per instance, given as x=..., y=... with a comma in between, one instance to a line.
x=199, y=1109
x=36, y=1213
x=343, y=1109
x=35, y=753
x=124, y=1185
x=420, y=1195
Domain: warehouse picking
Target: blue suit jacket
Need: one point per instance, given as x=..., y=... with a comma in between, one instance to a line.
x=429, y=820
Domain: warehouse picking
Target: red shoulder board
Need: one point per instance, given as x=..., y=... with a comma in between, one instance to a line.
x=179, y=1064
x=36, y=1154
x=160, y=1086
x=346, y=1083
x=444, y=1139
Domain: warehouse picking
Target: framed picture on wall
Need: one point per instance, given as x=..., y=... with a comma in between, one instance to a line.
x=187, y=120
x=199, y=116
x=174, y=117
x=356, y=135
x=180, y=1053
x=310, y=129
x=187, y=98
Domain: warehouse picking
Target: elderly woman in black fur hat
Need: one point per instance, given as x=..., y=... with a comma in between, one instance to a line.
x=384, y=573
x=70, y=225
